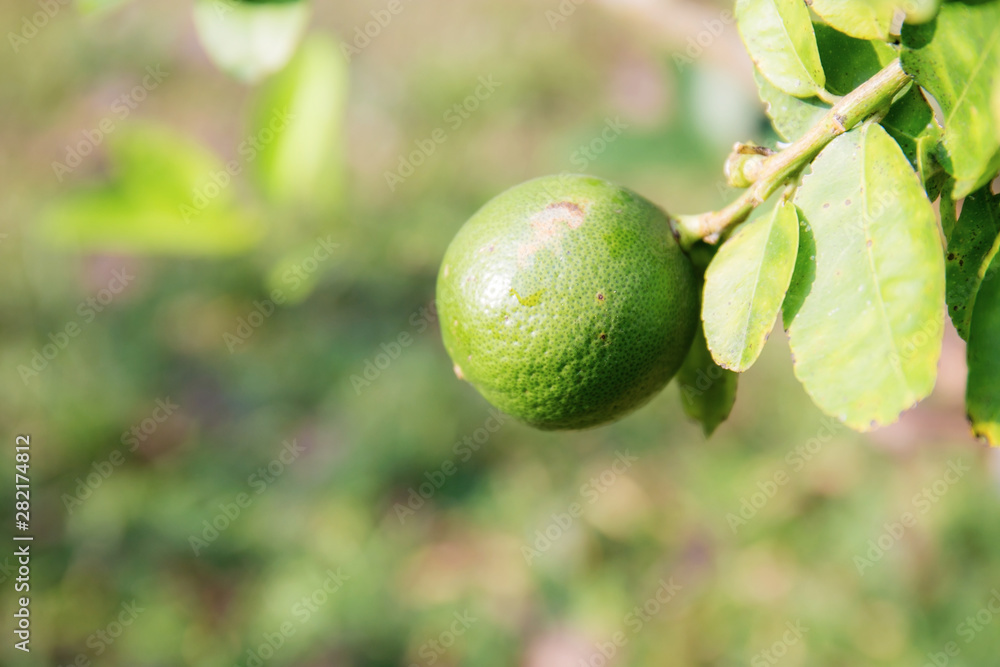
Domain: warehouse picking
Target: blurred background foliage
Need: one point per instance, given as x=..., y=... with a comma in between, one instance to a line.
x=230, y=244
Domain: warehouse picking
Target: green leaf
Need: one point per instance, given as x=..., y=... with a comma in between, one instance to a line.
x=909, y=119
x=791, y=117
x=863, y=19
x=971, y=247
x=297, y=127
x=867, y=337
x=803, y=274
x=745, y=285
x=948, y=213
x=932, y=175
x=169, y=196
x=957, y=58
x=849, y=62
x=982, y=397
x=779, y=37
x=707, y=391
x=250, y=40
x=996, y=106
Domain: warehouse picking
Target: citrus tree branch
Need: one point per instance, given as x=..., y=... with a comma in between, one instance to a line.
x=864, y=101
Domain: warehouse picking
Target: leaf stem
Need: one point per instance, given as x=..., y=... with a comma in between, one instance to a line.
x=865, y=100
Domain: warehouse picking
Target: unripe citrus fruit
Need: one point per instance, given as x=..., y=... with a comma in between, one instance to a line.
x=567, y=302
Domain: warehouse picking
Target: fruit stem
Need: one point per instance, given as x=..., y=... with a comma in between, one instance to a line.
x=861, y=103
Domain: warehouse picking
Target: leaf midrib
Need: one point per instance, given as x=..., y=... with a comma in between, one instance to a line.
x=993, y=42
x=756, y=285
x=869, y=254
x=795, y=50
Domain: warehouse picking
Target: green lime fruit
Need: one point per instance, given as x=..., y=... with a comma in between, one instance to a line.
x=567, y=302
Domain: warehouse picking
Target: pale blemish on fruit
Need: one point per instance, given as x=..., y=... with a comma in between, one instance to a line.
x=570, y=212
x=529, y=300
x=447, y=270
x=549, y=225
x=458, y=372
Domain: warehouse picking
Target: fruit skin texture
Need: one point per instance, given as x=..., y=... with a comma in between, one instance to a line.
x=567, y=302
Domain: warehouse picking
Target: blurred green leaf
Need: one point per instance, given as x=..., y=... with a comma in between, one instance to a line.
x=983, y=391
x=295, y=275
x=971, y=247
x=745, y=285
x=957, y=59
x=779, y=37
x=708, y=392
x=250, y=40
x=867, y=338
x=297, y=126
x=168, y=195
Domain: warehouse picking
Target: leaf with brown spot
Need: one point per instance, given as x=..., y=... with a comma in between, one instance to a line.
x=867, y=343
x=971, y=247
x=982, y=397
